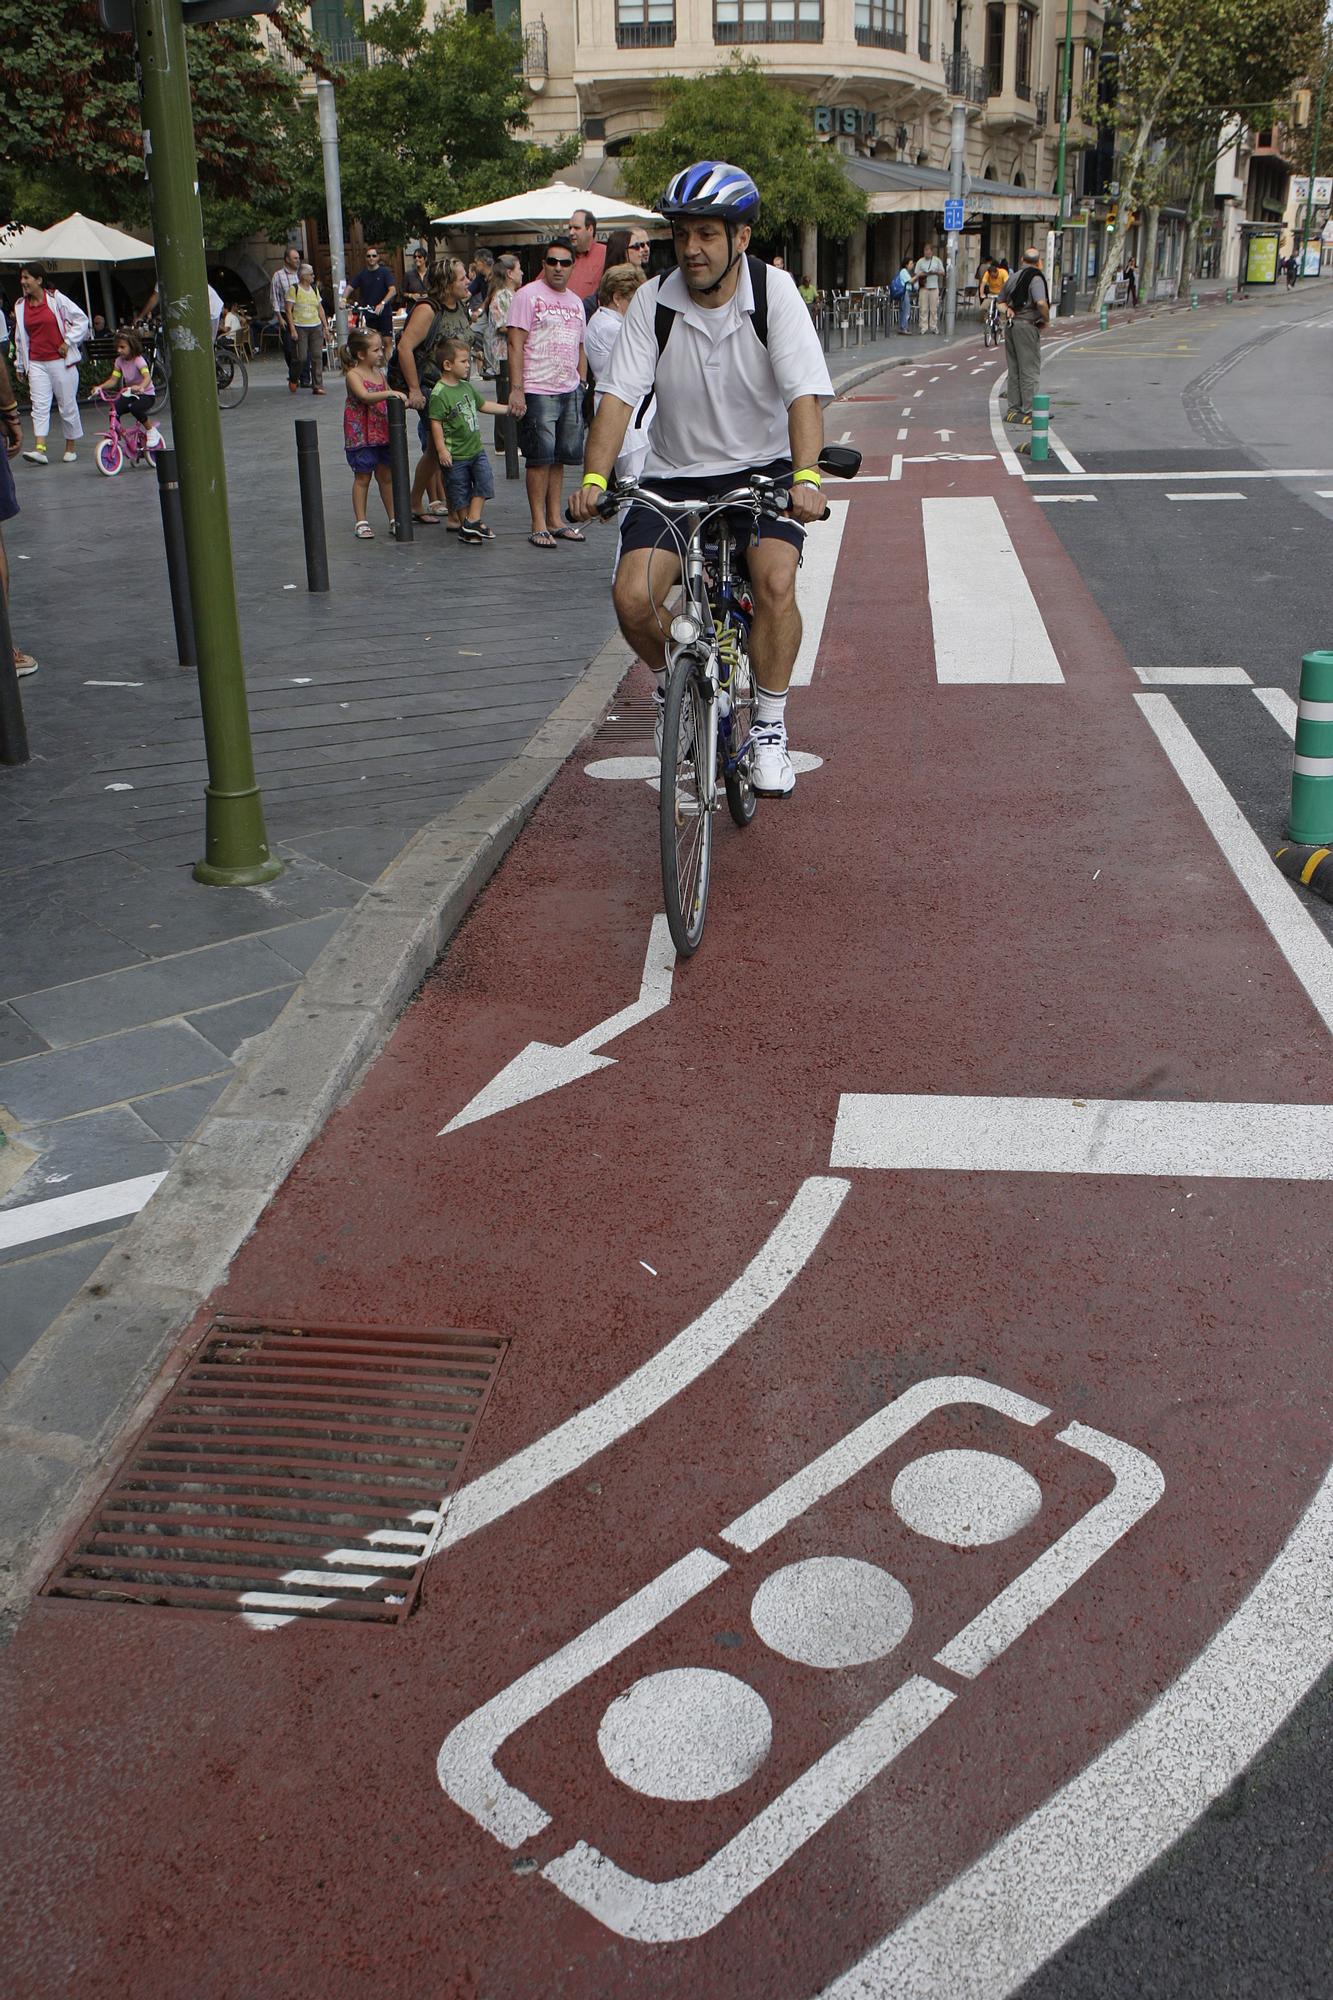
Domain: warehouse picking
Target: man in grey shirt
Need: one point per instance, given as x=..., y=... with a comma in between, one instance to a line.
x=929, y=277
x=1028, y=308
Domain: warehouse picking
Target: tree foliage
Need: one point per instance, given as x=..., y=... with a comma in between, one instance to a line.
x=430, y=126
x=72, y=137
x=738, y=113
x=1298, y=139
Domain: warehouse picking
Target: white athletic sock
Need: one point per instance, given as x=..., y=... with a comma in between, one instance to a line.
x=770, y=707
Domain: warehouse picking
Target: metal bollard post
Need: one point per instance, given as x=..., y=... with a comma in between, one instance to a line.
x=178, y=575
x=1311, y=821
x=506, y=427
x=13, y=729
x=1041, y=425
x=402, y=478
x=312, y=504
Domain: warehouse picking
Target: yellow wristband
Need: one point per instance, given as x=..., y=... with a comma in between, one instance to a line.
x=807, y=477
x=594, y=479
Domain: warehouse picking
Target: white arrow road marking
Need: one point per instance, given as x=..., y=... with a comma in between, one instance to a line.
x=39, y=1219
x=944, y=437
x=539, y=1067
x=1280, y=706
x=1063, y=1135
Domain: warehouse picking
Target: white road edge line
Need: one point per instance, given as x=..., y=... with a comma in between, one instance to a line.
x=1293, y=929
x=795, y=1238
x=814, y=587
x=1008, y=456
x=1234, y=472
x=37, y=1220
x=1281, y=707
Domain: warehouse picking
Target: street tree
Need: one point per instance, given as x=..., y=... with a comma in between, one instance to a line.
x=434, y=122
x=1183, y=71
x=69, y=109
x=738, y=113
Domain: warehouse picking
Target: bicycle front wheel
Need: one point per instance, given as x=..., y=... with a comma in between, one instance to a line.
x=233, y=381
x=684, y=816
x=736, y=752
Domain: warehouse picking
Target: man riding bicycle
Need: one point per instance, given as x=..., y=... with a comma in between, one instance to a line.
x=732, y=402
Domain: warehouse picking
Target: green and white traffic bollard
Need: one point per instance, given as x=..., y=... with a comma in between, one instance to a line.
x=1041, y=427
x=1229, y=295
x=1194, y=301
x=1104, y=318
x=1311, y=819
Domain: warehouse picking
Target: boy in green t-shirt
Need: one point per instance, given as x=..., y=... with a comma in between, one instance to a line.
x=453, y=411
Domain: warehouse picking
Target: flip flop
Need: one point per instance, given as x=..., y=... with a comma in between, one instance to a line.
x=569, y=534
x=427, y=520
x=544, y=540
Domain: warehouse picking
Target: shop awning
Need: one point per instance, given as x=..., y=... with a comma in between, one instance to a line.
x=892, y=187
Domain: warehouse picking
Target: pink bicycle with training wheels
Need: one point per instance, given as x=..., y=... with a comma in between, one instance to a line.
x=126, y=441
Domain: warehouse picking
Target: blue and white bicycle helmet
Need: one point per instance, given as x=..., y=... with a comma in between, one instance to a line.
x=711, y=187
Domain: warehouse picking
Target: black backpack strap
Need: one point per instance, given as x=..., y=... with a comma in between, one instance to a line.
x=759, y=286
x=663, y=321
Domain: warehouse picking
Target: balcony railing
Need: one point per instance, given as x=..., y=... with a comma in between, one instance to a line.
x=964, y=78
x=923, y=44
x=882, y=38
x=533, y=61
x=1039, y=104
x=645, y=34
x=1023, y=88
x=728, y=32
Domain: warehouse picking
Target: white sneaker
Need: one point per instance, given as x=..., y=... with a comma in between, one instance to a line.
x=69, y=456
x=659, y=710
x=771, y=772
x=37, y=456
x=155, y=438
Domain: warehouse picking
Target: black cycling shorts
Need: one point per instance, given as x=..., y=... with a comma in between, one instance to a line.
x=640, y=528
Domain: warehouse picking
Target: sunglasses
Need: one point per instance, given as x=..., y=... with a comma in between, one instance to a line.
x=560, y=263
x=643, y=244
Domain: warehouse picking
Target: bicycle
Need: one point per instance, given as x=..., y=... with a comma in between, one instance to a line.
x=124, y=442
x=710, y=688
x=993, y=333
x=231, y=373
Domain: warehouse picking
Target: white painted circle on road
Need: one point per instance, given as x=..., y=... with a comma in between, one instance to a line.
x=687, y=1733
x=965, y=1498
x=831, y=1611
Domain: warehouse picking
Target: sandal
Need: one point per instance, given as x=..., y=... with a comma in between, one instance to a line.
x=437, y=507
x=487, y=534
x=364, y=532
x=569, y=534
x=543, y=539
x=426, y=520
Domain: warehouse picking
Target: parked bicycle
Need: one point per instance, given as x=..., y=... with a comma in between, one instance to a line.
x=233, y=377
x=126, y=441
x=710, y=688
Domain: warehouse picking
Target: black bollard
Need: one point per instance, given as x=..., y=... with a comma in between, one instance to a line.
x=506, y=427
x=312, y=504
x=402, y=480
x=13, y=730
x=178, y=575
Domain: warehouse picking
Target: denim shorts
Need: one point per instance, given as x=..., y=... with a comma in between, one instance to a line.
x=551, y=433
x=365, y=457
x=468, y=479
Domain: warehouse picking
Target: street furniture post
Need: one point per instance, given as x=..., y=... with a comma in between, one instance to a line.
x=1194, y=301
x=312, y=504
x=1056, y=269
x=173, y=540
x=1104, y=318
x=506, y=427
x=13, y=730
x=398, y=472
x=333, y=201
x=1308, y=224
x=1311, y=819
x=1041, y=427
x=236, y=850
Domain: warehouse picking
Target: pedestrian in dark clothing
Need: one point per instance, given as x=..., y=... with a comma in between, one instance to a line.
x=1027, y=303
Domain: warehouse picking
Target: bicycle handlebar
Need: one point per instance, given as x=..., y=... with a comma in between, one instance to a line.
x=759, y=496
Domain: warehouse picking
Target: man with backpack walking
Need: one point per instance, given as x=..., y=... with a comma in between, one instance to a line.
x=741, y=385
x=1027, y=306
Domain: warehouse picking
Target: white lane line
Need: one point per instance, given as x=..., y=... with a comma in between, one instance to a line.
x=1280, y=706
x=1007, y=453
x=997, y=1922
x=987, y=623
x=814, y=587
x=1234, y=472
x=1324, y=493
x=908, y=411
x=1063, y=1135
x=40, y=1219
x=673, y=1368
x=1293, y=929
x=1063, y=453
x=1206, y=496
x=539, y=1067
x=1193, y=676
x=1055, y=499
x=902, y=434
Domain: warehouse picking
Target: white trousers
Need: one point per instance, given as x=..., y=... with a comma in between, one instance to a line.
x=52, y=379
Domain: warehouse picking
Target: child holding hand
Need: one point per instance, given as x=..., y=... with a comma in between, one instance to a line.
x=453, y=410
x=366, y=426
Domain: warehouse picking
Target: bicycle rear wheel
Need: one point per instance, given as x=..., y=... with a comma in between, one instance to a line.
x=233, y=381
x=684, y=818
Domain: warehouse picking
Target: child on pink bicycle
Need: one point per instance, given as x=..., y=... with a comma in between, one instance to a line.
x=130, y=387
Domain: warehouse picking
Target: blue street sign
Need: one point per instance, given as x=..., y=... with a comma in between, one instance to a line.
x=953, y=217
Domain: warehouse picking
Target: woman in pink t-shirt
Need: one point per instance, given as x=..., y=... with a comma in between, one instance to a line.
x=547, y=369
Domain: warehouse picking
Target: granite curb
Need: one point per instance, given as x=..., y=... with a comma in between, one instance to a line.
x=93, y=1377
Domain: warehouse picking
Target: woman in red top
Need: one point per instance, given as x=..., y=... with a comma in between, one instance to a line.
x=49, y=331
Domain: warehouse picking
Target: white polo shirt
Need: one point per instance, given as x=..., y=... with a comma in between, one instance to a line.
x=722, y=396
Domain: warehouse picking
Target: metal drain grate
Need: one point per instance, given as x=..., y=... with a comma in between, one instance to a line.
x=292, y=1471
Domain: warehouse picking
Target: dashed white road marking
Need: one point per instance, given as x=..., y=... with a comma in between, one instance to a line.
x=1206, y=496
x=1056, y=499
x=1193, y=676
x=988, y=626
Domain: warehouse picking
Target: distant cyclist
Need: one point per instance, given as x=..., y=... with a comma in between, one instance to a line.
x=734, y=398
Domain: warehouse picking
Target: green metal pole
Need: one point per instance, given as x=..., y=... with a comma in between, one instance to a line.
x=1066, y=69
x=1314, y=167
x=236, y=851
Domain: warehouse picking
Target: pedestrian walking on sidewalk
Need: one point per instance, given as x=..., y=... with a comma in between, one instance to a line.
x=454, y=408
x=49, y=330
x=1027, y=305
x=11, y=440
x=900, y=291
x=308, y=325
x=547, y=369
x=366, y=426
x=929, y=278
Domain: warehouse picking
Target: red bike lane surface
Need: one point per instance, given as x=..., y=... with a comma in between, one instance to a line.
x=982, y=891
